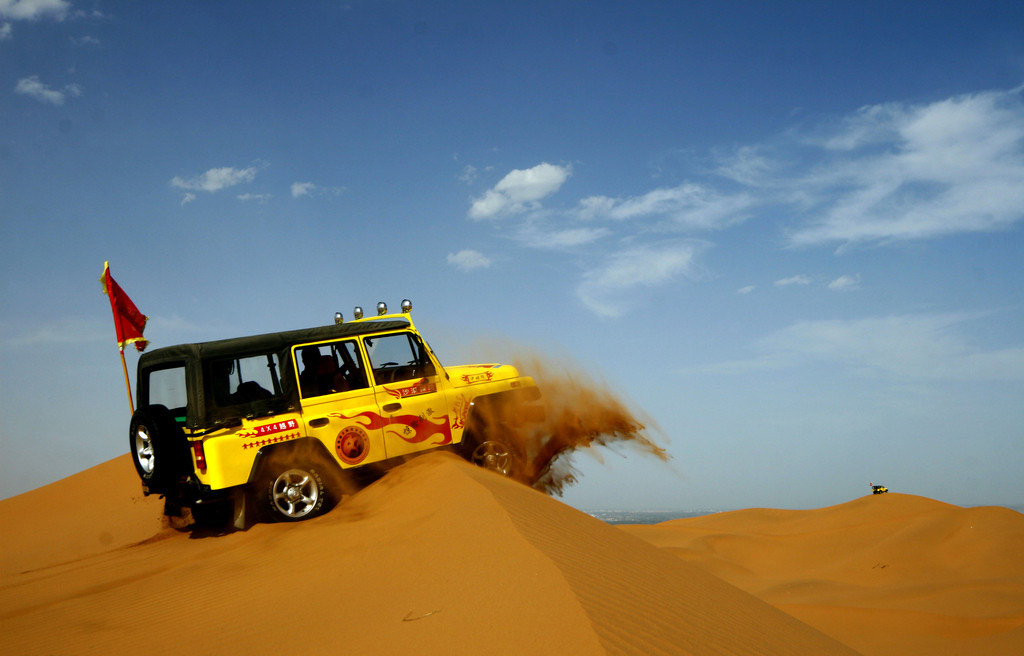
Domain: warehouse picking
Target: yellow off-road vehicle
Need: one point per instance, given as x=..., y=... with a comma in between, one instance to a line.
x=278, y=421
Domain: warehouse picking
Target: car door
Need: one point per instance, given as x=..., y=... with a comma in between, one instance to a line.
x=405, y=382
x=339, y=407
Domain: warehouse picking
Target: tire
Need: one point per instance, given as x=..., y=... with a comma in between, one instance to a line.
x=156, y=442
x=291, y=492
x=492, y=455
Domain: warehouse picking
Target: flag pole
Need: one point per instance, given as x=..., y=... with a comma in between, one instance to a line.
x=129, y=323
x=124, y=367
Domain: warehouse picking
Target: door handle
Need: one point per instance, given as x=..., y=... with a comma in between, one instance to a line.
x=391, y=407
x=318, y=422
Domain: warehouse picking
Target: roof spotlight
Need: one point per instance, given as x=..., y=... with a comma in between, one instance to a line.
x=406, y=306
x=357, y=312
x=382, y=308
x=338, y=318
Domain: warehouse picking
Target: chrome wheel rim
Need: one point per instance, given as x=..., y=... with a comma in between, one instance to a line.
x=494, y=456
x=295, y=493
x=144, y=449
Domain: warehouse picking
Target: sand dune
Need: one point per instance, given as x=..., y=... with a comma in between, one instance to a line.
x=884, y=574
x=437, y=557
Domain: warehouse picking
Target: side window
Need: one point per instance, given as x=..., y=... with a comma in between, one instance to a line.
x=330, y=368
x=166, y=387
x=397, y=357
x=234, y=381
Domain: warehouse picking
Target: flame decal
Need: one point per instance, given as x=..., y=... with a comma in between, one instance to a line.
x=410, y=428
x=419, y=429
x=373, y=420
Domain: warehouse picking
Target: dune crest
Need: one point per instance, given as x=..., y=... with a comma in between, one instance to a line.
x=436, y=557
x=887, y=573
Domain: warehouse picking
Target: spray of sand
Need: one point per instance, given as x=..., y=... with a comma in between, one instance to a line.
x=579, y=414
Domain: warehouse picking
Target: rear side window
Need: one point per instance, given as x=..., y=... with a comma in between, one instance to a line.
x=166, y=387
x=235, y=381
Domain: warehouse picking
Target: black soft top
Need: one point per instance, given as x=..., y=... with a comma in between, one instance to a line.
x=201, y=411
x=262, y=343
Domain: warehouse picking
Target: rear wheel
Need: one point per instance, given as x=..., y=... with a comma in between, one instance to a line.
x=155, y=439
x=291, y=493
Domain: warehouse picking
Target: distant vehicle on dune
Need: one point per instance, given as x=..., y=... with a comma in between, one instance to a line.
x=878, y=489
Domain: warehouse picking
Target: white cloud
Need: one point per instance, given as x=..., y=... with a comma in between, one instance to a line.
x=925, y=347
x=85, y=41
x=215, y=179
x=34, y=9
x=33, y=88
x=604, y=288
x=798, y=279
x=845, y=283
x=746, y=290
x=469, y=174
x=899, y=172
x=687, y=205
x=468, y=260
x=555, y=239
x=521, y=189
x=908, y=346
x=187, y=198
x=302, y=189
x=5, y=31
x=262, y=198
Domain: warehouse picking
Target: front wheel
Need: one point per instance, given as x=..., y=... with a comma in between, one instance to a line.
x=493, y=455
x=292, y=493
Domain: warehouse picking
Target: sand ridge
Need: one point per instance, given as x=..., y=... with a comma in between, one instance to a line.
x=436, y=557
x=887, y=573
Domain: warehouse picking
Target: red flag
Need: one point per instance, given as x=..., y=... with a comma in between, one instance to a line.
x=128, y=321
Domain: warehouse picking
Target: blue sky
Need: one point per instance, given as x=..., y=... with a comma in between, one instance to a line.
x=789, y=234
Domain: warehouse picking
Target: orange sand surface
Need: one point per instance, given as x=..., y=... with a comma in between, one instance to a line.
x=886, y=574
x=437, y=557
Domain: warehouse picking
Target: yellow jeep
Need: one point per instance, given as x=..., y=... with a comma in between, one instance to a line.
x=278, y=420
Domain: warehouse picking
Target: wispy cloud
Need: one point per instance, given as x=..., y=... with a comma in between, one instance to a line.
x=845, y=283
x=900, y=172
x=5, y=31
x=687, y=206
x=799, y=279
x=34, y=9
x=908, y=347
x=884, y=174
x=746, y=290
x=302, y=189
x=469, y=260
x=215, y=179
x=33, y=88
x=519, y=191
x=605, y=288
x=259, y=198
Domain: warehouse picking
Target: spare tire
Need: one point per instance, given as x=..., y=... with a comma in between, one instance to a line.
x=156, y=443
